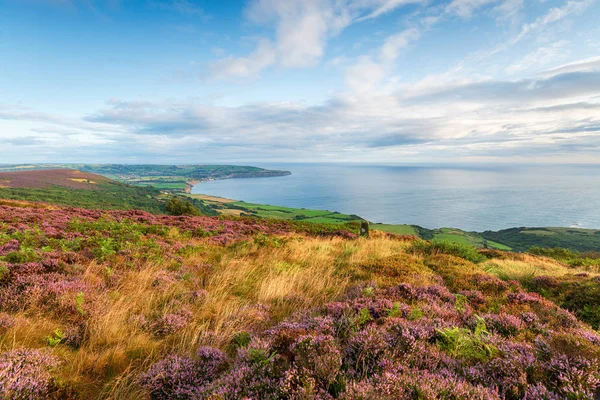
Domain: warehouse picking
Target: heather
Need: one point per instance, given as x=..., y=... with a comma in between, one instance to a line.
x=372, y=344
x=126, y=304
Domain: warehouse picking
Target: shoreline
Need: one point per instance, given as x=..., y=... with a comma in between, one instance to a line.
x=253, y=175
x=517, y=239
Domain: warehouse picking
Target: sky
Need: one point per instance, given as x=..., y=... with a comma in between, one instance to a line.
x=373, y=81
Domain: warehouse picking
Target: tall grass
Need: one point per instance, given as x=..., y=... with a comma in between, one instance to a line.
x=226, y=289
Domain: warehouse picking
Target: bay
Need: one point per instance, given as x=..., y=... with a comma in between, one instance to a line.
x=473, y=198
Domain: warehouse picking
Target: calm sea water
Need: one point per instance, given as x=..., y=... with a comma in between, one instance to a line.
x=470, y=198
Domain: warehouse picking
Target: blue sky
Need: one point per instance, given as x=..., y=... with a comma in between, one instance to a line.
x=378, y=81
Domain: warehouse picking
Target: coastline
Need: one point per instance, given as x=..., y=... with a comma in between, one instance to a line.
x=511, y=239
x=266, y=173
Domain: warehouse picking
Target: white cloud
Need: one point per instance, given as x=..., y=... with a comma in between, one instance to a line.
x=540, y=57
x=553, y=15
x=509, y=9
x=586, y=65
x=504, y=119
x=395, y=43
x=466, y=8
x=264, y=56
x=302, y=29
x=386, y=6
x=365, y=75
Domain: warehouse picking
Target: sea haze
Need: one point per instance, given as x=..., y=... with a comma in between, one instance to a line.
x=470, y=198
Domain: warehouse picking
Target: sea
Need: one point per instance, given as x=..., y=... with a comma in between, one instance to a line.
x=472, y=198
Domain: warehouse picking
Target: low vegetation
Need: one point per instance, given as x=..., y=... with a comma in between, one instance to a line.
x=170, y=178
x=78, y=189
x=129, y=305
x=228, y=207
x=521, y=239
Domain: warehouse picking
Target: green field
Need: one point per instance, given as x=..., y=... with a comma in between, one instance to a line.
x=521, y=239
x=297, y=214
x=443, y=234
x=170, y=186
x=108, y=195
x=468, y=238
x=399, y=229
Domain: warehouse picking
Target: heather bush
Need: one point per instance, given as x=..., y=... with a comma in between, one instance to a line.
x=6, y=322
x=318, y=357
x=26, y=374
x=503, y=324
x=175, y=377
x=577, y=293
x=572, y=377
x=408, y=384
x=365, y=352
x=170, y=323
x=427, y=323
x=73, y=336
x=211, y=362
x=256, y=373
x=510, y=371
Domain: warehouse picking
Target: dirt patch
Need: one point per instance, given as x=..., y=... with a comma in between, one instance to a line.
x=213, y=198
x=227, y=211
x=26, y=204
x=82, y=180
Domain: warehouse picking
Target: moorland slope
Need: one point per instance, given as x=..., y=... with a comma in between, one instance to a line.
x=129, y=305
x=172, y=178
x=67, y=187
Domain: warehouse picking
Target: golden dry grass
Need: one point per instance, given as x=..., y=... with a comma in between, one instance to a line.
x=242, y=286
x=27, y=204
x=522, y=267
x=82, y=180
x=228, y=290
x=214, y=199
x=228, y=211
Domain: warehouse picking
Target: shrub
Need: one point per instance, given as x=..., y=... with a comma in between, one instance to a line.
x=257, y=374
x=175, y=377
x=211, y=362
x=26, y=374
x=409, y=384
x=364, y=352
x=6, y=322
x=319, y=358
x=466, y=344
x=504, y=324
x=467, y=252
x=573, y=377
x=170, y=323
x=176, y=206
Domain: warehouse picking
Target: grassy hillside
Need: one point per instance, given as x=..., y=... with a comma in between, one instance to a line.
x=79, y=189
x=172, y=178
x=521, y=239
x=232, y=207
x=515, y=239
x=130, y=305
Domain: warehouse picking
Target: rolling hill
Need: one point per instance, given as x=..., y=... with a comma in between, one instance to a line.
x=170, y=178
x=74, y=188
